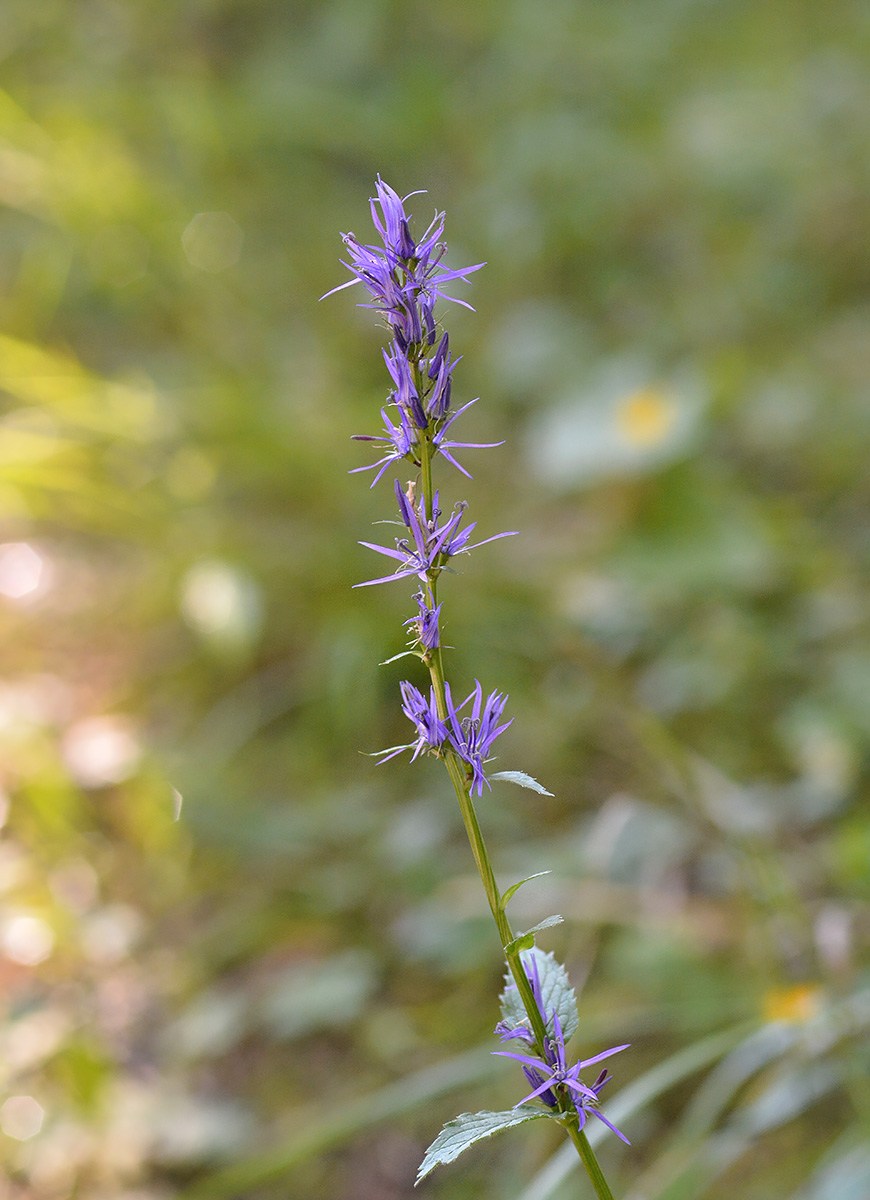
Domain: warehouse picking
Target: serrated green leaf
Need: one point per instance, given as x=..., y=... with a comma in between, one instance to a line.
x=556, y=991
x=468, y=1128
x=523, y=780
x=525, y=941
x=512, y=891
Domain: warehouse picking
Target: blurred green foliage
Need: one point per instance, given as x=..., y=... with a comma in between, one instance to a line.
x=237, y=958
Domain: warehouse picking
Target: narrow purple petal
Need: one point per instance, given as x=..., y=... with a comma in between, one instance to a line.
x=459, y=467
x=385, y=550
x=494, y=538
x=340, y=287
x=587, y=1062
x=618, y=1133
x=523, y=1058
x=545, y=1087
x=577, y=1086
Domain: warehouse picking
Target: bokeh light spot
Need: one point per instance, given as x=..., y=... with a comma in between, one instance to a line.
x=27, y=940
x=212, y=242
x=21, y=570
x=100, y=751
x=21, y=1117
x=221, y=603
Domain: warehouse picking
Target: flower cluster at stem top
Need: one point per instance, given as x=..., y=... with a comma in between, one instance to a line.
x=405, y=279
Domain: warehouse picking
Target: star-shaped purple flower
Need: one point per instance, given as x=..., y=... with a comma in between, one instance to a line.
x=432, y=544
x=423, y=714
x=472, y=737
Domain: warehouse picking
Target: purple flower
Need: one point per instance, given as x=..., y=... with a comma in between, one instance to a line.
x=426, y=623
x=405, y=278
x=444, y=448
x=432, y=544
x=405, y=394
x=552, y=1070
x=585, y=1107
x=431, y=730
x=545, y=1074
x=440, y=371
x=472, y=737
x=400, y=439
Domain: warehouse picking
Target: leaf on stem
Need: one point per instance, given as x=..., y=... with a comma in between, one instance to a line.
x=401, y=654
x=525, y=941
x=556, y=993
x=468, y=1128
x=512, y=891
x=523, y=780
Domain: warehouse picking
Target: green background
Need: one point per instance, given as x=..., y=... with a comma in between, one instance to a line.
x=287, y=989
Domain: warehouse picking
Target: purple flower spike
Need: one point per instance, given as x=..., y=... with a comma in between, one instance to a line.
x=432, y=545
x=472, y=737
x=405, y=278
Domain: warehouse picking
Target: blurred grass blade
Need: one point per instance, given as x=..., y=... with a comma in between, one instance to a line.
x=340, y=1124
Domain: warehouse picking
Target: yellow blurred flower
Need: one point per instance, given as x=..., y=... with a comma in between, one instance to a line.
x=646, y=416
x=793, y=1005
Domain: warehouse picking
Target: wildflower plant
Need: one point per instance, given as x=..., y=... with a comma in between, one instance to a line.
x=405, y=279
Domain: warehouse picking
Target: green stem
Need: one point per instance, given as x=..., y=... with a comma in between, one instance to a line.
x=462, y=786
x=590, y=1162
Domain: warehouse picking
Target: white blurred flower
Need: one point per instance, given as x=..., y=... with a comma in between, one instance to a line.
x=99, y=751
x=58, y=1158
x=626, y=422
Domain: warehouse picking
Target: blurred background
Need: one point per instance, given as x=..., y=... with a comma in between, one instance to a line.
x=238, y=959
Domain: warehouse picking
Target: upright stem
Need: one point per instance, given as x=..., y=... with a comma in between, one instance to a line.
x=462, y=787
x=590, y=1162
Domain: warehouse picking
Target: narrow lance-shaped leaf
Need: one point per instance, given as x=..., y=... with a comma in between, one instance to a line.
x=468, y=1128
x=523, y=780
x=514, y=888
